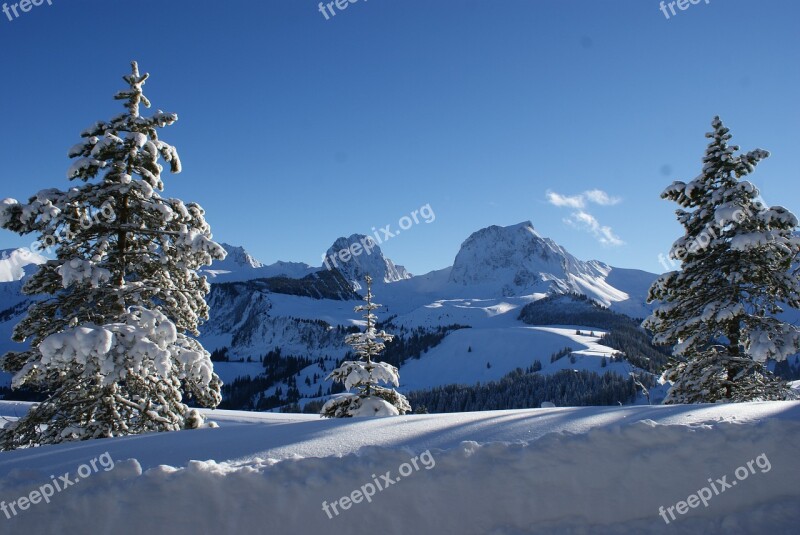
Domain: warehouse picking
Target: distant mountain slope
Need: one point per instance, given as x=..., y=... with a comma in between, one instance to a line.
x=255, y=316
x=16, y=263
x=239, y=265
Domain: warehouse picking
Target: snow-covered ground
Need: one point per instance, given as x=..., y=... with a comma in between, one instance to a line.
x=484, y=354
x=562, y=470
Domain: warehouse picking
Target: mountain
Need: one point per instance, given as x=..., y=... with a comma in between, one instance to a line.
x=237, y=259
x=359, y=255
x=251, y=317
x=461, y=324
x=239, y=265
x=15, y=266
x=517, y=260
x=16, y=263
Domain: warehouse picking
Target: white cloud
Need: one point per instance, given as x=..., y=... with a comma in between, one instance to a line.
x=582, y=219
x=556, y=199
x=587, y=221
x=600, y=197
x=595, y=196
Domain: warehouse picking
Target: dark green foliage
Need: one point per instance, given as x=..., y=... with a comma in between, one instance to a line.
x=519, y=390
x=572, y=309
x=637, y=345
x=220, y=355
x=561, y=353
x=246, y=393
x=719, y=312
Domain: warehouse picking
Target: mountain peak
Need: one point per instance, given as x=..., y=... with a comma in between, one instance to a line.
x=237, y=258
x=360, y=255
x=518, y=260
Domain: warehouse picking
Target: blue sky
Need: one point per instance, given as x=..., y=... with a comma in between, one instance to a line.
x=295, y=129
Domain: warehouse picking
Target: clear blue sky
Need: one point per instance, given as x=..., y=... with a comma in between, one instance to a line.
x=295, y=130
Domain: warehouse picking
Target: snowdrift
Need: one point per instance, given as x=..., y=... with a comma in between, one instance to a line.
x=562, y=470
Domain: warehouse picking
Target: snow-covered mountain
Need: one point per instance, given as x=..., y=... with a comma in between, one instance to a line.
x=472, y=309
x=518, y=264
x=16, y=263
x=517, y=260
x=237, y=259
x=369, y=260
x=303, y=310
x=239, y=265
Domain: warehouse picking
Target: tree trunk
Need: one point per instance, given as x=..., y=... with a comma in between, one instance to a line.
x=733, y=351
x=122, y=246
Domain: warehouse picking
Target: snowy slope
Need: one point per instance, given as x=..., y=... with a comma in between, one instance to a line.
x=567, y=470
x=13, y=263
x=463, y=356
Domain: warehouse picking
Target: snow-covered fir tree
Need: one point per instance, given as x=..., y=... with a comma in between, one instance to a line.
x=111, y=338
x=719, y=311
x=364, y=374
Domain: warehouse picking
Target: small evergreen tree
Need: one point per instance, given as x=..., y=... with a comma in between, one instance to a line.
x=365, y=374
x=719, y=311
x=110, y=342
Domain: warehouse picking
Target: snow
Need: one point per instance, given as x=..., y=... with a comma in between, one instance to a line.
x=239, y=266
x=354, y=373
x=147, y=342
x=556, y=470
x=505, y=349
x=362, y=256
x=13, y=263
x=78, y=270
x=374, y=406
x=360, y=407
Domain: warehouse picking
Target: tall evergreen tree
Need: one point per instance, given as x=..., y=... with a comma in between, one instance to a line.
x=365, y=374
x=719, y=311
x=110, y=341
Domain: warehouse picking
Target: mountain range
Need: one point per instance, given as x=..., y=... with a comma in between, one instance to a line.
x=282, y=325
x=302, y=311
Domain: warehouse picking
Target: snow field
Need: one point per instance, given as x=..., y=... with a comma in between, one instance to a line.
x=569, y=470
x=505, y=349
